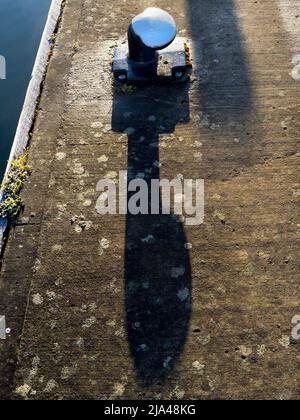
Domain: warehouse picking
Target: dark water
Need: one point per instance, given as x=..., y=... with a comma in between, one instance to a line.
x=22, y=24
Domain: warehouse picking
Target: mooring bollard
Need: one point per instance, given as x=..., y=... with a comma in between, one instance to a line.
x=153, y=52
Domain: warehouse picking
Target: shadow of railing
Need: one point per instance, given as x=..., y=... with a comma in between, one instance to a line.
x=158, y=286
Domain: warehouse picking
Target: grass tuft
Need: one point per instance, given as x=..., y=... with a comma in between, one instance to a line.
x=128, y=89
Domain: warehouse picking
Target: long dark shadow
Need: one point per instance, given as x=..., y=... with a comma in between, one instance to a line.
x=158, y=285
x=226, y=88
x=223, y=91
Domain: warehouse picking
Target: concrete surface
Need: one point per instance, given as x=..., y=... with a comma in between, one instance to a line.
x=94, y=311
x=27, y=116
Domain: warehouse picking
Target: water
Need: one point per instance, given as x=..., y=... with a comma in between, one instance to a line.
x=21, y=27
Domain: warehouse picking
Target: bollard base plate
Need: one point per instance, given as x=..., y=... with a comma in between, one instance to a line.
x=173, y=65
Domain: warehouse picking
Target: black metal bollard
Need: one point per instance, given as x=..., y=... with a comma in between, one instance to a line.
x=149, y=32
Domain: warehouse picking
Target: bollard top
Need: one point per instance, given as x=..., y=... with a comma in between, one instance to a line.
x=155, y=27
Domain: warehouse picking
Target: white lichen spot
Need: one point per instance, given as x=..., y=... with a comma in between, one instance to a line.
x=204, y=339
x=98, y=135
x=93, y=382
x=243, y=255
x=58, y=282
x=198, y=144
x=51, y=386
x=97, y=124
x=106, y=129
x=198, y=367
x=61, y=209
x=56, y=248
x=80, y=224
x=129, y=131
x=143, y=348
x=93, y=306
x=286, y=395
x=111, y=175
x=204, y=120
x=120, y=333
x=34, y=371
x=84, y=201
x=198, y=156
x=150, y=239
x=261, y=350
x=167, y=363
x=37, y=299
x=37, y=265
x=61, y=142
x=60, y=156
x=152, y=118
x=180, y=177
x=77, y=168
x=177, y=272
x=296, y=70
x=183, y=294
x=53, y=324
x=36, y=361
x=296, y=59
x=65, y=373
x=286, y=122
x=103, y=245
x=220, y=216
x=285, y=341
x=245, y=351
x=23, y=390
x=214, y=126
x=127, y=114
x=111, y=323
x=118, y=390
x=88, y=323
x=177, y=394
x=87, y=203
x=103, y=159
x=50, y=295
x=140, y=175
x=80, y=342
x=83, y=308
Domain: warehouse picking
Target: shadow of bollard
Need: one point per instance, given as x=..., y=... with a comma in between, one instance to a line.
x=158, y=285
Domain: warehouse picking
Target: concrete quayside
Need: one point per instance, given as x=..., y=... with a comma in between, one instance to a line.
x=147, y=307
